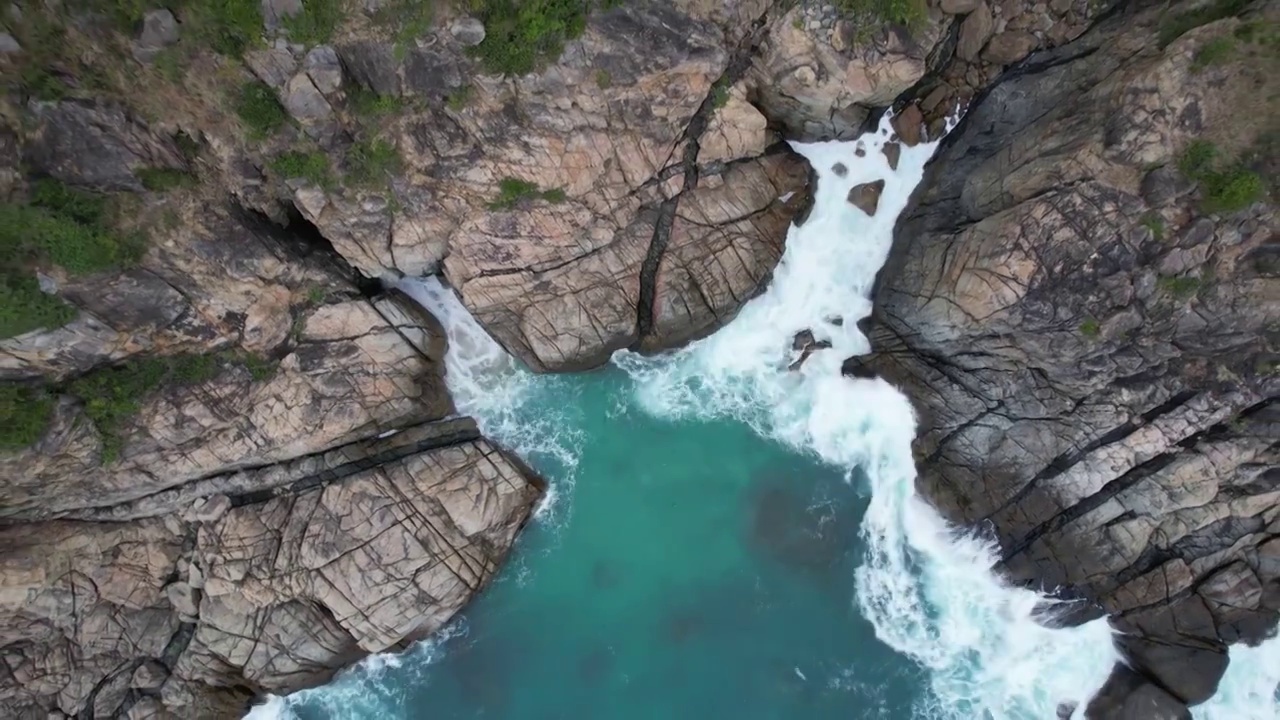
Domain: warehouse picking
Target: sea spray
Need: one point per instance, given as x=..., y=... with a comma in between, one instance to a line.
x=930, y=592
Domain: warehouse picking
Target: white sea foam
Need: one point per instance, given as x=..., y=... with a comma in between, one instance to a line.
x=494, y=388
x=1251, y=688
x=929, y=592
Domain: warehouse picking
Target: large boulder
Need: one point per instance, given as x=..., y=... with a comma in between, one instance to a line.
x=1086, y=326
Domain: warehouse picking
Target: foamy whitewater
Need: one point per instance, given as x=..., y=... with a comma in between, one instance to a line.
x=928, y=591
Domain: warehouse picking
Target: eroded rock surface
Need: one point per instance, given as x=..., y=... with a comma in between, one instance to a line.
x=1090, y=342
x=189, y=617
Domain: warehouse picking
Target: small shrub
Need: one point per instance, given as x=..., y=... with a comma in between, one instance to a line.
x=316, y=295
x=1174, y=27
x=1155, y=224
x=1224, y=190
x=113, y=395
x=259, y=109
x=164, y=179
x=1198, y=158
x=367, y=103
x=24, y=307
x=1181, y=288
x=513, y=190
x=228, y=26
x=65, y=227
x=260, y=368
x=370, y=161
x=459, y=98
x=408, y=19
x=720, y=94
x=523, y=35
x=910, y=13
x=24, y=414
x=1214, y=52
x=311, y=166
x=604, y=80
x=1090, y=328
x=316, y=23
x=1231, y=190
x=81, y=206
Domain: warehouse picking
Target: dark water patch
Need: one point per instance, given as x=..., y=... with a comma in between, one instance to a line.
x=604, y=576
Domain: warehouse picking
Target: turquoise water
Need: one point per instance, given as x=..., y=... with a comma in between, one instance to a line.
x=727, y=538
x=695, y=571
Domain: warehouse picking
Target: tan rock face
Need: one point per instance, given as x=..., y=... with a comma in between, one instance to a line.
x=357, y=369
x=822, y=86
x=294, y=587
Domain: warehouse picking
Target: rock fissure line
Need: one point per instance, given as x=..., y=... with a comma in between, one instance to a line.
x=737, y=67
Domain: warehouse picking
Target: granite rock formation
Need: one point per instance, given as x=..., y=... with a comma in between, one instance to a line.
x=1082, y=301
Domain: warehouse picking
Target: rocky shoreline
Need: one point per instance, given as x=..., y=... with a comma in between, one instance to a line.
x=235, y=467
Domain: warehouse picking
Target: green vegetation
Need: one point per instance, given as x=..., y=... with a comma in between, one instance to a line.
x=720, y=93
x=370, y=161
x=409, y=20
x=1214, y=52
x=24, y=414
x=1174, y=27
x=259, y=110
x=316, y=295
x=259, y=368
x=1090, y=328
x=316, y=23
x=1182, y=288
x=23, y=307
x=459, y=98
x=311, y=166
x=113, y=395
x=1226, y=187
x=523, y=35
x=60, y=226
x=367, y=103
x=228, y=26
x=1155, y=224
x=604, y=80
x=911, y=13
x=513, y=190
x=164, y=179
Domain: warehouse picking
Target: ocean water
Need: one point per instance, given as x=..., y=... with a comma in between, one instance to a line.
x=726, y=538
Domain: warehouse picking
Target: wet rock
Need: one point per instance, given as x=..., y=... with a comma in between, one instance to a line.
x=159, y=30
x=892, y=153
x=958, y=7
x=1144, y=498
x=468, y=31
x=866, y=196
x=856, y=367
x=908, y=125
x=806, y=345
x=1129, y=696
x=1066, y=710
x=975, y=31
x=1009, y=47
x=839, y=169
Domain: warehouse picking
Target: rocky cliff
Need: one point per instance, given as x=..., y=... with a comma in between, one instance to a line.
x=1083, y=303
x=229, y=464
